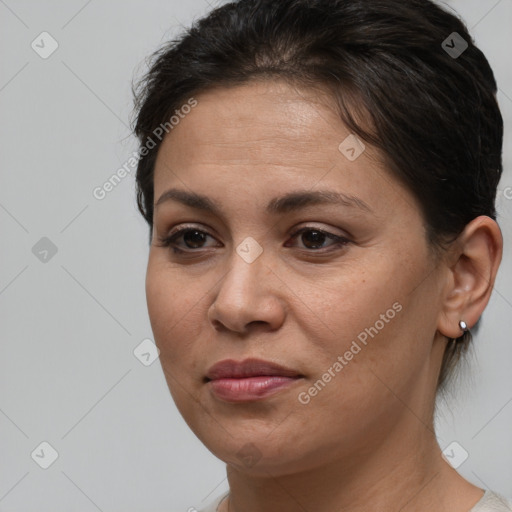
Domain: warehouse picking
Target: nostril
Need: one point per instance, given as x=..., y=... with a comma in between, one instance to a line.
x=257, y=322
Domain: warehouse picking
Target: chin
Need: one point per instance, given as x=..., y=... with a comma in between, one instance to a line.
x=253, y=451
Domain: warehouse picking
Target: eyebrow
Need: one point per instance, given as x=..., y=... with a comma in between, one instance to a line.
x=289, y=202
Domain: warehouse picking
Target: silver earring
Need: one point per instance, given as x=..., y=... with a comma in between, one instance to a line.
x=463, y=326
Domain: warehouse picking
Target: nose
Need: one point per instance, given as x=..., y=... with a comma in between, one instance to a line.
x=248, y=298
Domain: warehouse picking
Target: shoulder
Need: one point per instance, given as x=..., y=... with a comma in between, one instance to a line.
x=212, y=507
x=493, y=502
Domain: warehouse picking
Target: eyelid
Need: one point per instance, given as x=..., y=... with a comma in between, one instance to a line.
x=326, y=231
x=181, y=227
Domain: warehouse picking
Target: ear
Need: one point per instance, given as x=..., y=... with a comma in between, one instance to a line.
x=474, y=261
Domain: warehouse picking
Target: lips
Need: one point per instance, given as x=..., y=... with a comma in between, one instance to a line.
x=249, y=380
x=230, y=369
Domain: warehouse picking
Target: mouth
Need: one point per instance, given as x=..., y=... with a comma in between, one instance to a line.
x=249, y=380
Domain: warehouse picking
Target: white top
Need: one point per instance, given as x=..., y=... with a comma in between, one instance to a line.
x=490, y=502
x=493, y=502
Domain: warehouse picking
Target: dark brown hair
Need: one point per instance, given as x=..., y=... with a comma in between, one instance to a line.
x=428, y=94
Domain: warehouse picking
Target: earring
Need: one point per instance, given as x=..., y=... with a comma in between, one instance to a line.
x=463, y=326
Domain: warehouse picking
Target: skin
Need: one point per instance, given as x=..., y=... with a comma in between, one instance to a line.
x=366, y=441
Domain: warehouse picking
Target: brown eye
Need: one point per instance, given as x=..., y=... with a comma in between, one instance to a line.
x=193, y=238
x=314, y=238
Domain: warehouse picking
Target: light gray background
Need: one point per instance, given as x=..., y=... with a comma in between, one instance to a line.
x=69, y=326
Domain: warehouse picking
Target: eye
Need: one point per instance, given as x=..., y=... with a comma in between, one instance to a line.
x=314, y=238
x=192, y=237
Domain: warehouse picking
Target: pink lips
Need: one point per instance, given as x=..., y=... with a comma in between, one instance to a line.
x=248, y=380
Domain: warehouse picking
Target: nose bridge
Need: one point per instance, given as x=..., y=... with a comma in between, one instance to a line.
x=245, y=292
x=245, y=275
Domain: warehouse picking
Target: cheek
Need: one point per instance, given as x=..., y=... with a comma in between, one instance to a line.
x=173, y=308
x=368, y=318
x=352, y=298
x=171, y=304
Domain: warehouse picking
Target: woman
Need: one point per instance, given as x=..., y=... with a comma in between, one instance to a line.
x=319, y=179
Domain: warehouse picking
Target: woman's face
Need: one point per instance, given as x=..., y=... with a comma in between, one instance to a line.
x=354, y=317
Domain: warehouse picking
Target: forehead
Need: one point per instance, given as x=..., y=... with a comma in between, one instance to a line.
x=258, y=119
x=267, y=136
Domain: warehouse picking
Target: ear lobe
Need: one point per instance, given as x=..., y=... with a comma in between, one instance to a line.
x=478, y=253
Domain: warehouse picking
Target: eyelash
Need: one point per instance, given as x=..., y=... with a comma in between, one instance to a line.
x=168, y=241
